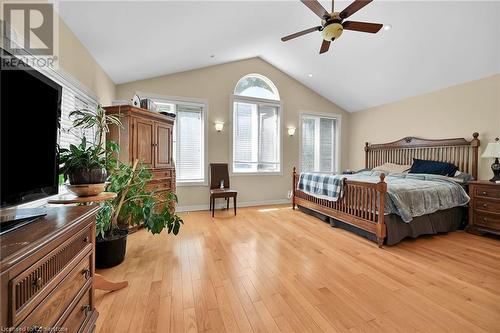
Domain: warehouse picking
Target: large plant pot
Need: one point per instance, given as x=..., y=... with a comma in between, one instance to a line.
x=86, y=176
x=111, y=252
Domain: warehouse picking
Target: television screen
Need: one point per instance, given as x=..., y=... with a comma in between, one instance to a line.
x=30, y=114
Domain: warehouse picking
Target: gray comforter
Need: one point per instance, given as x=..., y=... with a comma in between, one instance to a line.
x=412, y=195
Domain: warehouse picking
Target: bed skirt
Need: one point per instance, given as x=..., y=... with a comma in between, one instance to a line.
x=397, y=230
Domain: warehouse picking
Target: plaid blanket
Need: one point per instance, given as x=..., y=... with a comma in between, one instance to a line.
x=324, y=186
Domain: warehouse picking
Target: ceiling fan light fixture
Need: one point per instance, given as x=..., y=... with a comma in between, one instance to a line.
x=332, y=31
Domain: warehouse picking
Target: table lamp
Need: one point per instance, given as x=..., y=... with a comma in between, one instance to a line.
x=493, y=151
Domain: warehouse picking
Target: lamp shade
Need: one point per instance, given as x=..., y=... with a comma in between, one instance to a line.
x=492, y=150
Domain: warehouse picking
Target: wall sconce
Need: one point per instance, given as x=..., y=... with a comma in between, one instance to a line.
x=219, y=126
x=291, y=131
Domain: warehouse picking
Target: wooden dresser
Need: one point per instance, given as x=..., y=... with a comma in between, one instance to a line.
x=484, y=207
x=146, y=136
x=47, y=271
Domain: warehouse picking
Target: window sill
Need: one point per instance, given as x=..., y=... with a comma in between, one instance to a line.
x=188, y=184
x=274, y=173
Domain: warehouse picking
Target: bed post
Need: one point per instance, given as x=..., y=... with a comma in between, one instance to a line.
x=381, y=228
x=366, y=155
x=294, y=175
x=475, y=147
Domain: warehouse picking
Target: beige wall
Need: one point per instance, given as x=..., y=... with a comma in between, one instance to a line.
x=216, y=84
x=457, y=111
x=76, y=60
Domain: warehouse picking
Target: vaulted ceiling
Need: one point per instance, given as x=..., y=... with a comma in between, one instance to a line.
x=431, y=45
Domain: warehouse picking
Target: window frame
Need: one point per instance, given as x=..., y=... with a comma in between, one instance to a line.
x=188, y=101
x=338, y=128
x=258, y=101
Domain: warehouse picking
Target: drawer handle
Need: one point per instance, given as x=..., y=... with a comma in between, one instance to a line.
x=485, y=219
x=485, y=205
x=484, y=193
x=86, y=239
x=86, y=273
x=86, y=309
x=35, y=329
x=38, y=282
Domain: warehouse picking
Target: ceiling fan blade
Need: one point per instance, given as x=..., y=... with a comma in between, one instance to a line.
x=300, y=33
x=353, y=8
x=316, y=7
x=324, y=46
x=333, y=6
x=362, y=26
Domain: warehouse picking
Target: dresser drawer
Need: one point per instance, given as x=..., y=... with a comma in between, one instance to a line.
x=489, y=221
x=488, y=192
x=487, y=205
x=31, y=286
x=80, y=314
x=48, y=313
x=162, y=173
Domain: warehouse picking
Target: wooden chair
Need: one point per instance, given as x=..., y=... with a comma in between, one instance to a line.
x=219, y=172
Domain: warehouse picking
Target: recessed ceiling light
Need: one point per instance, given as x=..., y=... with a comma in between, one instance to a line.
x=387, y=27
x=309, y=75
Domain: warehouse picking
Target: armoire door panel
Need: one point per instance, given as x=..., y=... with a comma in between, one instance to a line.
x=144, y=141
x=163, y=147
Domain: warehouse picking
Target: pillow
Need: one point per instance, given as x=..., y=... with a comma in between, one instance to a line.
x=433, y=167
x=392, y=167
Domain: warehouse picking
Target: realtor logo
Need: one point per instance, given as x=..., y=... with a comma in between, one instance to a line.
x=29, y=27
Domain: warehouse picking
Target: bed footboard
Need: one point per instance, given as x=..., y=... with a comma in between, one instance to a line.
x=361, y=205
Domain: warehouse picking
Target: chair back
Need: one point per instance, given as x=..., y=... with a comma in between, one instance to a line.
x=218, y=172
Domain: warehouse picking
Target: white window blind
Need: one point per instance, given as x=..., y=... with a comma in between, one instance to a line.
x=73, y=100
x=256, y=137
x=318, y=144
x=189, y=143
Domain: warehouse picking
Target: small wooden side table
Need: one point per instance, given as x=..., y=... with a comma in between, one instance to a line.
x=64, y=199
x=484, y=207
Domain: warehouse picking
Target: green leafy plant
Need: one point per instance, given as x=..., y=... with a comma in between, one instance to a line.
x=135, y=204
x=89, y=155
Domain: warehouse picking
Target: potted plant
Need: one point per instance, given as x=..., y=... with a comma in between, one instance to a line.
x=86, y=163
x=134, y=205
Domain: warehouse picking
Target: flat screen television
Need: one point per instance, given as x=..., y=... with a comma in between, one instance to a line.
x=30, y=110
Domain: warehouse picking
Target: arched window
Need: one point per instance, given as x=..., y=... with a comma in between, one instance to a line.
x=256, y=139
x=258, y=86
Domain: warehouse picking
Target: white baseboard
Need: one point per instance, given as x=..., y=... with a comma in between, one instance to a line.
x=193, y=208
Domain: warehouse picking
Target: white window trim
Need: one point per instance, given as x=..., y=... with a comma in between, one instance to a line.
x=187, y=101
x=338, y=136
x=272, y=102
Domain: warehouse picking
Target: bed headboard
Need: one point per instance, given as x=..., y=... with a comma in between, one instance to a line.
x=461, y=152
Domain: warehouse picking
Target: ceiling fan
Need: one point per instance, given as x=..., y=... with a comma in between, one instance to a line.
x=333, y=24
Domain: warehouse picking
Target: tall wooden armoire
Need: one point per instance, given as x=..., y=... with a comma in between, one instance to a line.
x=146, y=136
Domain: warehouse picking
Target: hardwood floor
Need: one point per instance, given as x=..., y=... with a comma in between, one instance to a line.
x=271, y=269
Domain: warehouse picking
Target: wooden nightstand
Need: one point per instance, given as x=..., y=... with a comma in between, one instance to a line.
x=484, y=207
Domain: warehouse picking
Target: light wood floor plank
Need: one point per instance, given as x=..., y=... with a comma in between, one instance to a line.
x=273, y=269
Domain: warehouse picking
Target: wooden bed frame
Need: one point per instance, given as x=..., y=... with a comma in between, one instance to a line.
x=358, y=205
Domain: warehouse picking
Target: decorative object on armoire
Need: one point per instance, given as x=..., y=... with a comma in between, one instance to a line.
x=136, y=101
x=134, y=205
x=219, y=185
x=146, y=136
x=87, y=162
x=493, y=151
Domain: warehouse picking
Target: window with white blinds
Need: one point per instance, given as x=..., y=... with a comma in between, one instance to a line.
x=319, y=143
x=72, y=100
x=189, y=143
x=188, y=140
x=256, y=137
